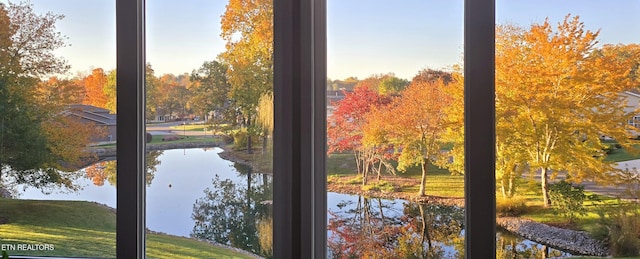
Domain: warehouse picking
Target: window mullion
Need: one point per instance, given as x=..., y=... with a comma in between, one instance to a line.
x=479, y=114
x=130, y=228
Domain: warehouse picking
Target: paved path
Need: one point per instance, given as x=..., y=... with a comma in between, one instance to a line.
x=618, y=190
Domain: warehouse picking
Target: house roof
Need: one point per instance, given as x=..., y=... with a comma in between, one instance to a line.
x=98, y=115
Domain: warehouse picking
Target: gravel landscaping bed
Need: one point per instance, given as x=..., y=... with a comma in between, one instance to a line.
x=575, y=242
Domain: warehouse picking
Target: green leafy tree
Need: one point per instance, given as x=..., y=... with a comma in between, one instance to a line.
x=392, y=85
x=110, y=91
x=210, y=89
x=153, y=91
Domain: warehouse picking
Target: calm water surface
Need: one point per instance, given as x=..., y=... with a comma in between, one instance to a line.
x=193, y=192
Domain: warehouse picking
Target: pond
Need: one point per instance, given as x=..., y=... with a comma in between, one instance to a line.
x=195, y=193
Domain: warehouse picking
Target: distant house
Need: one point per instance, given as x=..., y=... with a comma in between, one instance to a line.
x=97, y=116
x=633, y=106
x=334, y=96
x=164, y=118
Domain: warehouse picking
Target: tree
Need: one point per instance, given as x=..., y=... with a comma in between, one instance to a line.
x=35, y=136
x=392, y=84
x=94, y=88
x=110, y=91
x=153, y=91
x=247, y=27
x=346, y=125
x=210, y=88
x=56, y=93
x=165, y=103
x=265, y=118
x=33, y=41
x=414, y=124
x=180, y=95
x=555, y=97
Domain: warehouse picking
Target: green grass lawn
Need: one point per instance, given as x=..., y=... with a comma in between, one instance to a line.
x=157, y=140
x=187, y=139
x=621, y=154
x=190, y=127
x=440, y=182
x=83, y=229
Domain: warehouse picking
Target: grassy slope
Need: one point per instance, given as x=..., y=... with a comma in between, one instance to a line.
x=85, y=229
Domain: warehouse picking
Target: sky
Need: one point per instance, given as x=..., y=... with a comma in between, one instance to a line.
x=365, y=37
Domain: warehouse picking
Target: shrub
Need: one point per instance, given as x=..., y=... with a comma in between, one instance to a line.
x=149, y=137
x=227, y=139
x=240, y=139
x=354, y=180
x=383, y=186
x=567, y=199
x=511, y=207
x=620, y=226
x=171, y=138
x=332, y=179
x=623, y=235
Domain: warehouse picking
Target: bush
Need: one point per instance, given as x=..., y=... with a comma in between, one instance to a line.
x=511, y=207
x=240, y=139
x=623, y=236
x=383, y=186
x=620, y=230
x=227, y=139
x=567, y=199
x=620, y=226
x=355, y=180
x=171, y=138
x=149, y=137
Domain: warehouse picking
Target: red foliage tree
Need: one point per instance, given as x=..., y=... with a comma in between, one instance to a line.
x=345, y=125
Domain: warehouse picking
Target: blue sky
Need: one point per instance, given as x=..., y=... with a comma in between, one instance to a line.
x=364, y=36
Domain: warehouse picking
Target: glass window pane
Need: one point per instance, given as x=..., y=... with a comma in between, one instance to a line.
x=395, y=187
x=566, y=112
x=209, y=123
x=57, y=128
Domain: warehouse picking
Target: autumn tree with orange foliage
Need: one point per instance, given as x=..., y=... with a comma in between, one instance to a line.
x=56, y=93
x=94, y=88
x=247, y=28
x=413, y=123
x=556, y=95
x=38, y=141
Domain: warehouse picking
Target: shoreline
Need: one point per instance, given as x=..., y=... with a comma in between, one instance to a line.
x=571, y=241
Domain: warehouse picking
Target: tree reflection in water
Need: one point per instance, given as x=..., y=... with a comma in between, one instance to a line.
x=237, y=214
x=509, y=246
x=371, y=229
x=375, y=228
x=107, y=170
